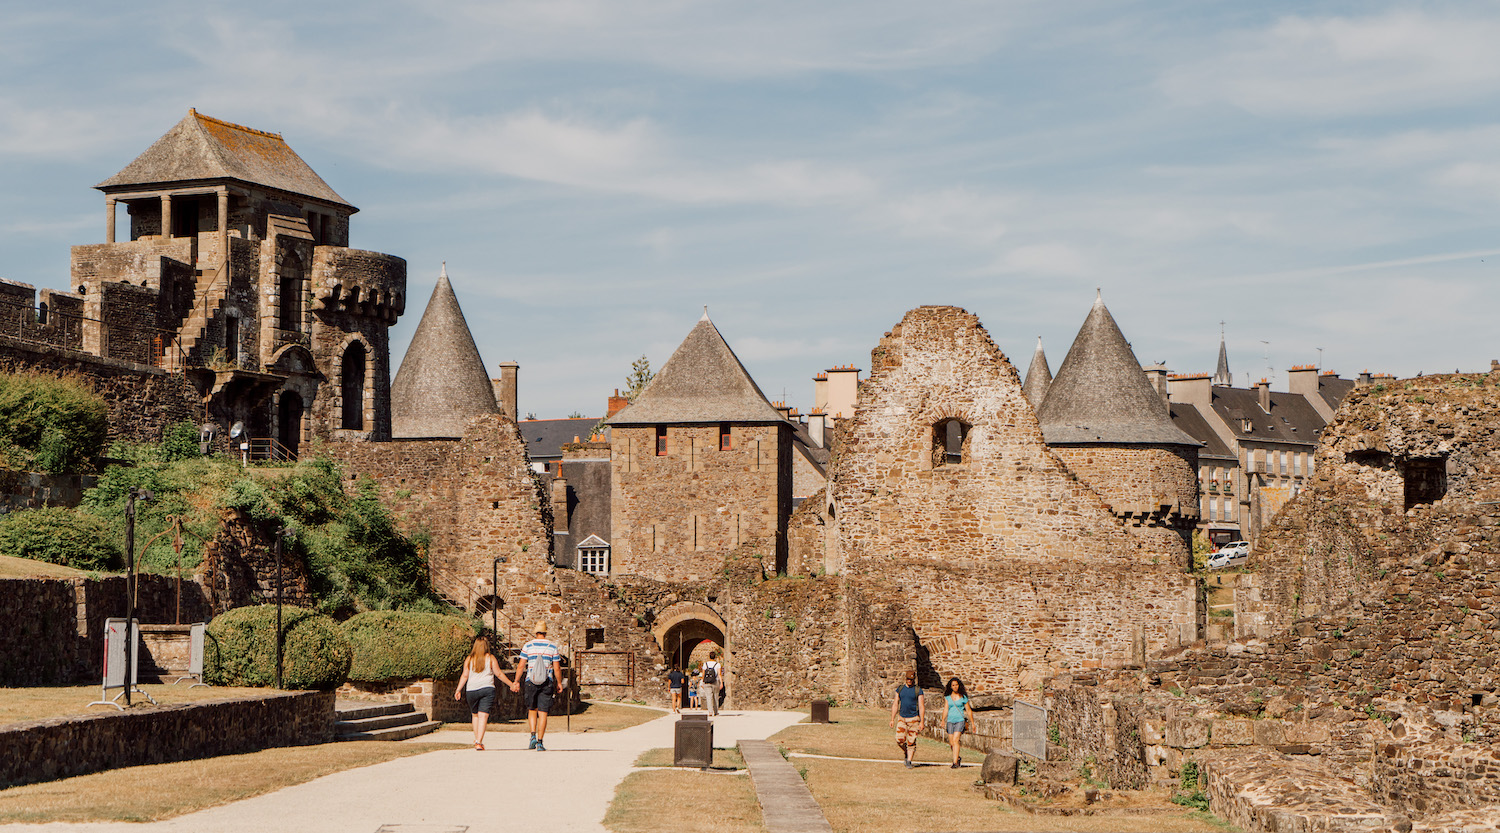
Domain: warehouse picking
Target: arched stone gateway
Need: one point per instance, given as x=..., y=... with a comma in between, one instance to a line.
x=683, y=629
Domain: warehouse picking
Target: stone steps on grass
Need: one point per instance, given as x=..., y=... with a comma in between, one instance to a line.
x=379, y=721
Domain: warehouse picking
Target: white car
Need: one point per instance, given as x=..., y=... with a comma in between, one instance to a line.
x=1234, y=552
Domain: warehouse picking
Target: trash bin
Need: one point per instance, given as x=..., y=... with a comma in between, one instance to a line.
x=693, y=742
x=819, y=711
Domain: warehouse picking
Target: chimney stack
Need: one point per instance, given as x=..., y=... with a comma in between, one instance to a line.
x=505, y=389
x=617, y=404
x=1263, y=391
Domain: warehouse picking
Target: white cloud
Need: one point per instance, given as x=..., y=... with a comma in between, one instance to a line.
x=1333, y=66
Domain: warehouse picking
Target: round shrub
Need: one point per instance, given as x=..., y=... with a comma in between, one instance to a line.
x=240, y=649
x=402, y=645
x=60, y=536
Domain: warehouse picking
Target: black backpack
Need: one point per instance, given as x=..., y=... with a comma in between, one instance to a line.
x=710, y=675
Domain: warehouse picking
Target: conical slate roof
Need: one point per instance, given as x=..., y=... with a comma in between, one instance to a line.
x=1038, y=377
x=702, y=382
x=442, y=383
x=200, y=147
x=1222, y=376
x=1100, y=394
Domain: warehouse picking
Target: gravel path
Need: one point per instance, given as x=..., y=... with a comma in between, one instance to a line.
x=505, y=788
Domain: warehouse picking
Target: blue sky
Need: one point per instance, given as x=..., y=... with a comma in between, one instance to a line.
x=1315, y=175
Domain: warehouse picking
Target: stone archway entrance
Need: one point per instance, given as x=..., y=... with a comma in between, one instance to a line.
x=687, y=631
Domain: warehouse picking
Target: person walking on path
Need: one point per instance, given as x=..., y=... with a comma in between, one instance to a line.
x=478, y=684
x=959, y=714
x=676, y=683
x=692, y=690
x=908, y=714
x=540, y=670
x=708, y=684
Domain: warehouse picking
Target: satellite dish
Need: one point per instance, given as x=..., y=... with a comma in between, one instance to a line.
x=236, y=430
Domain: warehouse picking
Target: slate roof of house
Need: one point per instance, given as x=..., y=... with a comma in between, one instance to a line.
x=200, y=147
x=702, y=382
x=1333, y=389
x=1192, y=422
x=442, y=383
x=1291, y=419
x=546, y=437
x=1038, y=377
x=1100, y=394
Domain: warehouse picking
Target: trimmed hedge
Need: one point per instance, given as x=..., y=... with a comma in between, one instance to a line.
x=401, y=645
x=240, y=649
x=60, y=536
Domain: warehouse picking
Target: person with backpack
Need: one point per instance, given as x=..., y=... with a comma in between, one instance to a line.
x=541, y=670
x=710, y=682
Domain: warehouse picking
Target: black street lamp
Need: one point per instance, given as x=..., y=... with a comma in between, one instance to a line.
x=131, y=497
x=495, y=594
x=283, y=533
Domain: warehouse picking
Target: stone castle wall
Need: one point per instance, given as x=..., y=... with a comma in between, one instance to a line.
x=676, y=516
x=142, y=400
x=1154, y=489
x=1012, y=567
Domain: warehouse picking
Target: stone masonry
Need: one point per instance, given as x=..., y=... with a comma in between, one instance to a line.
x=1012, y=567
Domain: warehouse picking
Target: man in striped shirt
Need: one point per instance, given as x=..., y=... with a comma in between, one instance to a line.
x=540, y=671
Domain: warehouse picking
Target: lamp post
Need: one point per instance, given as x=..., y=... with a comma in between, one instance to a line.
x=131, y=497
x=495, y=594
x=284, y=532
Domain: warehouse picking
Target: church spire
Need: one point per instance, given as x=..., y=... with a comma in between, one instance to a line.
x=1222, y=377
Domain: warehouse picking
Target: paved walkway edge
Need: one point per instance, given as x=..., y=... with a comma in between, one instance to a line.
x=786, y=806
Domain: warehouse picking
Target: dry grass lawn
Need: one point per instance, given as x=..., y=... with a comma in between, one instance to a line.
x=725, y=759
x=595, y=717
x=18, y=704
x=162, y=791
x=858, y=732
x=684, y=801
x=12, y=567
x=859, y=797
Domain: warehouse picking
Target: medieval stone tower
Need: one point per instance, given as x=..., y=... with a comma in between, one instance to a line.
x=442, y=384
x=1104, y=420
x=238, y=262
x=701, y=465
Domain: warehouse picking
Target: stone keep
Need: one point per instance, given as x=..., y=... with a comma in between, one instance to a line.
x=1013, y=567
x=238, y=271
x=701, y=465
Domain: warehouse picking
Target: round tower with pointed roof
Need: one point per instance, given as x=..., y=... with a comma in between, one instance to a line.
x=1102, y=417
x=442, y=384
x=1038, y=377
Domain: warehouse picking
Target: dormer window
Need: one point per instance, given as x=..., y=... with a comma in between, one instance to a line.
x=948, y=443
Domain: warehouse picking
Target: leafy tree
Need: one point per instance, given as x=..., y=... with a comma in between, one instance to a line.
x=51, y=423
x=640, y=376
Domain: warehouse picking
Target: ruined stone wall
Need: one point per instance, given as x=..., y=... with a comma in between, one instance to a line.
x=137, y=261
x=239, y=566
x=676, y=516
x=881, y=643
x=1153, y=489
x=806, y=476
x=34, y=490
x=142, y=400
x=788, y=641
x=1012, y=567
x=807, y=537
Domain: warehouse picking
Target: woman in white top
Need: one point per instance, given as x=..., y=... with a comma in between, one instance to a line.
x=478, y=683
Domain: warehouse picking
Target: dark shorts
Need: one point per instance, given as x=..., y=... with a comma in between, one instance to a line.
x=481, y=701
x=538, y=697
x=956, y=728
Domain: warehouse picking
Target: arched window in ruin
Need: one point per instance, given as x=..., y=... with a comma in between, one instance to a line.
x=949, y=443
x=352, y=387
x=291, y=292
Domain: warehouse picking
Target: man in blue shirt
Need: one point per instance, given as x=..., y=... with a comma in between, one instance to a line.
x=540, y=671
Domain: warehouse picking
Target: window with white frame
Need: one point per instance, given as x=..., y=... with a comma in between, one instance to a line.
x=593, y=556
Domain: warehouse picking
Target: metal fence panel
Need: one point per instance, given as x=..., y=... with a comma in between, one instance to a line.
x=1029, y=730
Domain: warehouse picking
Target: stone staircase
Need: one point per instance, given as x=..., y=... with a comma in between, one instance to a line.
x=380, y=721
x=212, y=290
